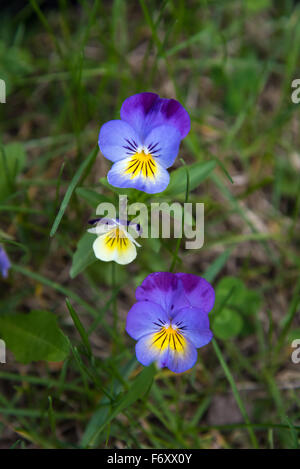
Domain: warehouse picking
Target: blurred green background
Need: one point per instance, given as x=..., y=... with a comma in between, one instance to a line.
x=68, y=66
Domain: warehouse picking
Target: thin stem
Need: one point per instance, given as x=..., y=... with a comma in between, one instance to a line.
x=114, y=302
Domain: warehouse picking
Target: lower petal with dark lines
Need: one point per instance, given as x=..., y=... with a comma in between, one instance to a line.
x=114, y=246
x=180, y=362
x=121, y=175
x=175, y=355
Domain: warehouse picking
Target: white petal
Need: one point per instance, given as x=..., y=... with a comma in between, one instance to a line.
x=107, y=250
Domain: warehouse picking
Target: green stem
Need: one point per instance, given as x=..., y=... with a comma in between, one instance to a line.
x=114, y=303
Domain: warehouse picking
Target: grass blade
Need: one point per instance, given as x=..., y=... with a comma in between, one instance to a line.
x=78, y=175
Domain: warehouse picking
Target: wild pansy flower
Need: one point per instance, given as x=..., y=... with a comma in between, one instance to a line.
x=145, y=142
x=170, y=319
x=4, y=263
x=114, y=242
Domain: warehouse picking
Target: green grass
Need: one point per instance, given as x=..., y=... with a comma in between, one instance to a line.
x=68, y=70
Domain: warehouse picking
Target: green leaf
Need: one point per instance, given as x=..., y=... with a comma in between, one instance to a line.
x=243, y=300
x=198, y=172
x=231, y=315
x=79, y=327
x=12, y=162
x=138, y=389
x=84, y=255
x=227, y=324
x=78, y=175
x=102, y=412
x=225, y=285
x=294, y=334
x=255, y=6
x=34, y=336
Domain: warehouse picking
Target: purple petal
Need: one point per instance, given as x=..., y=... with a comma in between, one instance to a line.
x=199, y=292
x=164, y=289
x=135, y=109
x=118, y=177
x=144, y=318
x=193, y=323
x=163, y=144
x=118, y=140
x=145, y=111
x=4, y=263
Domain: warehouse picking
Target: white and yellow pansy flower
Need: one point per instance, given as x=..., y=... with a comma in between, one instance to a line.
x=114, y=242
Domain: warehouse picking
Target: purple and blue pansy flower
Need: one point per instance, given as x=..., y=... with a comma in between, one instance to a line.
x=4, y=263
x=170, y=319
x=145, y=142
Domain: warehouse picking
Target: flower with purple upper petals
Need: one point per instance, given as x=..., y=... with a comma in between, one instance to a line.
x=145, y=142
x=170, y=319
x=4, y=263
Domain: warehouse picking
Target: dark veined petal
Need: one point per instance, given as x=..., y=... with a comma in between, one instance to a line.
x=118, y=140
x=147, y=354
x=178, y=362
x=136, y=174
x=163, y=143
x=165, y=289
x=167, y=356
x=198, y=291
x=115, y=245
x=145, y=318
x=193, y=323
x=144, y=111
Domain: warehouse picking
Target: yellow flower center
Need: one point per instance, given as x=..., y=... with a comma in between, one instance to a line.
x=116, y=239
x=143, y=163
x=169, y=336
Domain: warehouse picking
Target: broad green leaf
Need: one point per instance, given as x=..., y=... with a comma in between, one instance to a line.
x=243, y=300
x=84, y=255
x=139, y=387
x=225, y=285
x=198, y=172
x=227, y=324
x=251, y=302
x=12, y=162
x=34, y=336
